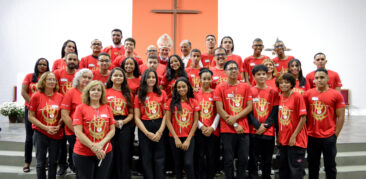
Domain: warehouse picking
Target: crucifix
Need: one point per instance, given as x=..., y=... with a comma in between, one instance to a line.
x=273, y=50
x=174, y=11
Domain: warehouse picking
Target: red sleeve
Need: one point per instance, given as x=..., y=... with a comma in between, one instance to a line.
x=137, y=102
x=276, y=98
x=217, y=94
x=308, y=80
x=78, y=116
x=339, y=100
x=27, y=79
x=165, y=98
x=54, y=65
x=196, y=106
x=66, y=102
x=307, y=85
x=241, y=64
x=82, y=63
x=34, y=102
x=302, y=105
x=167, y=105
x=338, y=82
x=139, y=61
x=246, y=65
x=117, y=62
x=111, y=119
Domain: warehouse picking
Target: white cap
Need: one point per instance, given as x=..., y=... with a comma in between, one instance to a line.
x=165, y=41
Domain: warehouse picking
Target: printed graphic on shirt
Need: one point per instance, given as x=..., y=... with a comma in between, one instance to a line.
x=50, y=114
x=235, y=103
x=319, y=110
x=261, y=106
x=183, y=117
x=33, y=87
x=206, y=110
x=118, y=106
x=298, y=90
x=152, y=109
x=97, y=127
x=285, y=114
x=66, y=86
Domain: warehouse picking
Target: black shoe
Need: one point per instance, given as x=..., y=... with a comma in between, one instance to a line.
x=61, y=171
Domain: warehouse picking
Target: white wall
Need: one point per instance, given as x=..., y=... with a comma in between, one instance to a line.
x=31, y=29
x=335, y=27
x=37, y=28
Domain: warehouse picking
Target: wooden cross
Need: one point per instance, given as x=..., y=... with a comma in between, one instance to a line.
x=174, y=11
x=273, y=50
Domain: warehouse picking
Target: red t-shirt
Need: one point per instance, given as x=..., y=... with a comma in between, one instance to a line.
x=47, y=110
x=282, y=65
x=95, y=123
x=322, y=107
x=300, y=89
x=235, y=58
x=114, y=51
x=182, y=121
x=100, y=77
x=118, y=61
x=154, y=105
x=59, y=64
x=207, y=60
x=290, y=111
x=208, y=108
x=249, y=64
x=234, y=99
x=271, y=83
x=65, y=80
x=32, y=87
x=117, y=102
x=71, y=100
x=168, y=86
x=194, y=77
x=219, y=77
x=263, y=102
x=161, y=70
x=89, y=62
x=333, y=82
x=134, y=84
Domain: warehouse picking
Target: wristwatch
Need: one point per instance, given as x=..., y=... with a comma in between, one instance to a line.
x=235, y=125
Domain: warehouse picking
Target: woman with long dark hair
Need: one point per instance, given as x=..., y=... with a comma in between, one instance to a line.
x=150, y=119
x=119, y=99
x=174, y=70
x=294, y=67
x=44, y=114
x=29, y=87
x=131, y=68
x=67, y=47
x=182, y=116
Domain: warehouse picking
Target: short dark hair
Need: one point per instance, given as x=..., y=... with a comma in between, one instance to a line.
x=230, y=62
x=196, y=50
x=220, y=48
x=232, y=41
x=70, y=54
x=319, y=53
x=288, y=77
x=258, y=68
x=205, y=70
x=131, y=40
x=117, y=30
x=211, y=35
x=321, y=70
x=104, y=54
x=257, y=40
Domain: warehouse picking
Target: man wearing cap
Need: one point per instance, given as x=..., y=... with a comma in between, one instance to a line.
x=164, y=43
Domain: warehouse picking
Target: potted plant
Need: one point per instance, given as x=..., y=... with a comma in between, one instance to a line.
x=14, y=111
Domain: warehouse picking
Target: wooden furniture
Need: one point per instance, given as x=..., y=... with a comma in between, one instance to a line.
x=345, y=94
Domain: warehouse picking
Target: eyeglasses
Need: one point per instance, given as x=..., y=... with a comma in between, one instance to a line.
x=279, y=46
x=220, y=54
x=232, y=69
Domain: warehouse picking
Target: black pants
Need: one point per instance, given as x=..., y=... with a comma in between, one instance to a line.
x=239, y=144
x=62, y=154
x=121, y=153
x=152, y=153
x=43, y=145
x=28, y=145
x=328, y=147
x=207, y=155
x=169, y=164
x=181, y=157
x=87, y=166
x=71, y=139
x=261, y=150
x=292, y=162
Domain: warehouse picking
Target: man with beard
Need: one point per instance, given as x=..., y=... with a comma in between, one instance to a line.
x=130, y=45
x=251, y=61
x=165, y=43
x=64, y=78
x=117, y=48
x=91, y=61
x=206, y=58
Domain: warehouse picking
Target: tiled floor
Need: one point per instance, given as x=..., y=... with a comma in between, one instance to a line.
x=354, y=130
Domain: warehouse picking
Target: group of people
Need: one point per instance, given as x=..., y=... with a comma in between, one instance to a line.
x=188, y=109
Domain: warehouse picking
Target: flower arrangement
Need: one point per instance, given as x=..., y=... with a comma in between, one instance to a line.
x=12, y=110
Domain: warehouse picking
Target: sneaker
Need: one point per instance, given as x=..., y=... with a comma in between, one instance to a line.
x=61, y=171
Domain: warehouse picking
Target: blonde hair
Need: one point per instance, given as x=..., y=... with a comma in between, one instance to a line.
x=41, y=84
x=274, y=72
x=86, y=92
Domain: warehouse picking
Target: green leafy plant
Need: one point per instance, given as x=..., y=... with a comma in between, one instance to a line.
x=12, y=109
